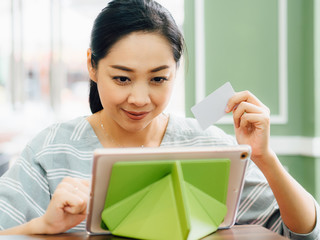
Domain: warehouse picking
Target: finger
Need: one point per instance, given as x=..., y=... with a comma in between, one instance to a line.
x=249, y=119
x=81, y=188
x=85, y=182
x=76, y=209
x=69, y=201
x=73, y=204
x=82, y=194
x=79, y=209
x=253, y=120
x=75, y=184
x=239, y=97
x=70, y=210
x=80, y=191
x=70, y=187
x=242, y=109
x=75, y=188
x=74, y=181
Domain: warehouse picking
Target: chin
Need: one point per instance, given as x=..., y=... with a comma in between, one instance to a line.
x=137, y=127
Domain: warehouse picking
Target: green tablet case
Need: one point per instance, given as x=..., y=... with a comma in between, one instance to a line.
x=166, y=199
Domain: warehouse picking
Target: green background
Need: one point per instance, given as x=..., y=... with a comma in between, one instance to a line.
x=241, y=46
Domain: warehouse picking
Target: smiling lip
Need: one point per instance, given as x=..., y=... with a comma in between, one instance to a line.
x=136, y=115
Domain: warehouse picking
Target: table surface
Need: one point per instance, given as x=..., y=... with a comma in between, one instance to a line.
x=244, y=232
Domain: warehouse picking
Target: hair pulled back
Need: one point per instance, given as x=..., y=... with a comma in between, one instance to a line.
x=122, y=17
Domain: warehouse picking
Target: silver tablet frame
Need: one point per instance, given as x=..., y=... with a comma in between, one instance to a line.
x=104, y=159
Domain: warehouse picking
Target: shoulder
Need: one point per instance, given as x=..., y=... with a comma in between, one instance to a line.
x=181, y=129
x=70, y=132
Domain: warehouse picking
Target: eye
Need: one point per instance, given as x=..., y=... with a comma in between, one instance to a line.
x=121, y=80
x=159, y=80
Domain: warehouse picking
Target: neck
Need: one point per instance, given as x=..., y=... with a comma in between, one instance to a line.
x=115, y=136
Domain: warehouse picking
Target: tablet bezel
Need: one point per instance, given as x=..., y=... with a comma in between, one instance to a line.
x=103, y=160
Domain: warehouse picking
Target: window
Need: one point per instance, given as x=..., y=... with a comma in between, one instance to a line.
x=43, y=73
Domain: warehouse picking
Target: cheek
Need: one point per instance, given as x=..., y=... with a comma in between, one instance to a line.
x=110, y=96
x=162, y=97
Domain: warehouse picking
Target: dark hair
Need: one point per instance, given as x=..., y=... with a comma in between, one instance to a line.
x=122, y=17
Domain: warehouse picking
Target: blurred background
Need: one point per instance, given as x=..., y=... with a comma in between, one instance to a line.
x=270, y=47
x=43, y=72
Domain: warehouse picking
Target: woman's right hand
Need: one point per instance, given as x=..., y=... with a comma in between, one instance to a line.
x=67, y=207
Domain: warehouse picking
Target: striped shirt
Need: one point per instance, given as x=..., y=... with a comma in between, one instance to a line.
x=66, y=149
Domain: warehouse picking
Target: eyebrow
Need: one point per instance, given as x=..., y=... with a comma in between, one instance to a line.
x=157, y=69
x=123, y=68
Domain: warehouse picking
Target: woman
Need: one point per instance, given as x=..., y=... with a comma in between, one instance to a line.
x=132, y=62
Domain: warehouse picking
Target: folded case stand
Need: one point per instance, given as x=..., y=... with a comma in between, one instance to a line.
x=166, y=199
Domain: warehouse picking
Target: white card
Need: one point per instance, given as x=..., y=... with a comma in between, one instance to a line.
x=212, y=108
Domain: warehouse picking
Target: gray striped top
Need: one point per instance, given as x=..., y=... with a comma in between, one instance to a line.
x=66, y=149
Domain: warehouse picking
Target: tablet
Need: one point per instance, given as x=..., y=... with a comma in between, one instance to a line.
x=104, y=159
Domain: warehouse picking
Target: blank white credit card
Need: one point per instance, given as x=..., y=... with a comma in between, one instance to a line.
x=212, y=108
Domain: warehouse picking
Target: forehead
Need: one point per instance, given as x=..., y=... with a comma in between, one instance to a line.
x=141, y=49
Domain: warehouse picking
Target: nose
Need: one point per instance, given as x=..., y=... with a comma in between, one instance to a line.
x=139, y=95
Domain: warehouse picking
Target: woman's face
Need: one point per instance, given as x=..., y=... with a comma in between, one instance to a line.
x=135, y=80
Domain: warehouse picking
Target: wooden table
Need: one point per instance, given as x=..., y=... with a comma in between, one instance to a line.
x=245, y=232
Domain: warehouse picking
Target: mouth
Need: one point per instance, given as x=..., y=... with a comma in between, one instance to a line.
x=136, y=115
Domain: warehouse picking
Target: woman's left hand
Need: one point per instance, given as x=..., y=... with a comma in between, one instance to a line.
x=252, y=123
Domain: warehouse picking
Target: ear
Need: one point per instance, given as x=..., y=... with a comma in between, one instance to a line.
x=91, y=69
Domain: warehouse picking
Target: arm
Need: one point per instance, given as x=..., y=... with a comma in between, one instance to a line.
x=252, y=127
x=66, y=210
x=28, y=228
x=296, y=205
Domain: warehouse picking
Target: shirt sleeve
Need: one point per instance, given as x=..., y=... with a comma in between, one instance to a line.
x=259, y=206
x=24, y=191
